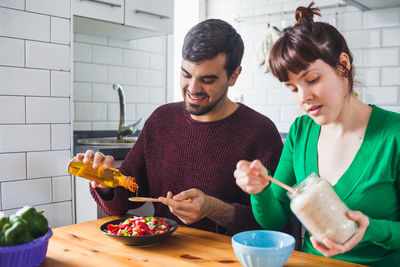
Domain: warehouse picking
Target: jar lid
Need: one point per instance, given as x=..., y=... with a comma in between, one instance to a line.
x=312, y=179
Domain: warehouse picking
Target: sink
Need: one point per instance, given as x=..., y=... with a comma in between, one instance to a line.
x=108, y=141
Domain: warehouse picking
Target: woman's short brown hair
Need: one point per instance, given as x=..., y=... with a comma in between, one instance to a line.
x=307, y=41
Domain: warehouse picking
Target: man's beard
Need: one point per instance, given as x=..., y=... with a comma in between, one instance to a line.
x=199, y=111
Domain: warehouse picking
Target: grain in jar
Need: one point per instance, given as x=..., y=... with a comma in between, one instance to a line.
x=321, y=211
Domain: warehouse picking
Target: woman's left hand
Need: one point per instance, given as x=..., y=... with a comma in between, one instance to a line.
x=330, y=248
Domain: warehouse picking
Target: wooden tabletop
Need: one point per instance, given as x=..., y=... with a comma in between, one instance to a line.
x=84, y=245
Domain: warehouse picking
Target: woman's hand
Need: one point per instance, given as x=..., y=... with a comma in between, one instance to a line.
x=247, y=176
x=330, y=248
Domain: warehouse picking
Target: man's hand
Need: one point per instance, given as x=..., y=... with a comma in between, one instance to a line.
x=97, y=159
x=194, y=208
x=199, y=207
x=248, y=178
x=330, y=248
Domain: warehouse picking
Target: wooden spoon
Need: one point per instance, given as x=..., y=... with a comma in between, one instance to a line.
x=284, y=186
x=150, y=199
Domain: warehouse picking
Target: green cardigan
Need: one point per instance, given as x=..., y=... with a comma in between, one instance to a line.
x=371, y=185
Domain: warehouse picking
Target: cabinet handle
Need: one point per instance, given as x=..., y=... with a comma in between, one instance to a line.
x=104, y=3
x=151, y=14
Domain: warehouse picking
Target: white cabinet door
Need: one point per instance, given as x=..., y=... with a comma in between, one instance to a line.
x=108, y=10
x=157, y=15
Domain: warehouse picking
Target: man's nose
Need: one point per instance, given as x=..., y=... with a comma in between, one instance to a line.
x=194, y=86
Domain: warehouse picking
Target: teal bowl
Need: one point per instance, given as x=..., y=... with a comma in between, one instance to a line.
x=263, y=248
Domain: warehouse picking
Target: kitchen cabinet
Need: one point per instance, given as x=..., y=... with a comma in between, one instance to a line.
x=107, y=10
x=155, y=15
x=131, y=19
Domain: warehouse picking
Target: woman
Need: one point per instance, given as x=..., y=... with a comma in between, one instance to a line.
x=355, y=146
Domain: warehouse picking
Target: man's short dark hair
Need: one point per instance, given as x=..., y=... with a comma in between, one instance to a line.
x=211, y=37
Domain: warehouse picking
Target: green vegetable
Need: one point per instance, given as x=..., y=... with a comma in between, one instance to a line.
x=17, y=233
x=37, y=223
x=22, y=227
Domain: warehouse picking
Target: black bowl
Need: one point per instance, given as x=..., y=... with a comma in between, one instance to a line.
x=143, y=240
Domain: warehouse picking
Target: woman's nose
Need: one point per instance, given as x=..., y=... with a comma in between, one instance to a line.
x=305, y=94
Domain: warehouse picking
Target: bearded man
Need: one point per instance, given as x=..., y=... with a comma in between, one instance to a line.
x=189, y=149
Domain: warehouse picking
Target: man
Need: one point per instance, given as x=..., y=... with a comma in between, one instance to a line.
x=189, y=149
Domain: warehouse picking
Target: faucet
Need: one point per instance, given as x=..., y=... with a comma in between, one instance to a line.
x=124, y=130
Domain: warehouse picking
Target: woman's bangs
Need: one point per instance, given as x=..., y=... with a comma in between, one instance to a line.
x=284, y=59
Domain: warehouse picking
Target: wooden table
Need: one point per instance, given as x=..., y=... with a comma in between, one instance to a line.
x=84, y=245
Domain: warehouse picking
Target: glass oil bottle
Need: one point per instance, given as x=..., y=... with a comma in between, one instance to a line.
x=110, y=177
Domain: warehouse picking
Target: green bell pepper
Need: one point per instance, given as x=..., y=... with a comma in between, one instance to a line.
x=36, y=222
x=17, y=233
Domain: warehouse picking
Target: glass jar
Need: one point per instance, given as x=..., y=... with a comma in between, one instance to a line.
x=321, y=211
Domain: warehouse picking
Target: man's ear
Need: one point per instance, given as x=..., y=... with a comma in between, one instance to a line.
x=234, y=76
x=345, y=60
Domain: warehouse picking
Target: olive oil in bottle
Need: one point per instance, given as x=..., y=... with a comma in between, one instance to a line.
x=110, y=177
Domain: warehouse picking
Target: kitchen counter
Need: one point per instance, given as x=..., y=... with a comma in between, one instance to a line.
x=84, y=245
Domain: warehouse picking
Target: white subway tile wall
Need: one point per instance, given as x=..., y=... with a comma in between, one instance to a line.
x=373, y=37
x=35, y=123
x=139, y=66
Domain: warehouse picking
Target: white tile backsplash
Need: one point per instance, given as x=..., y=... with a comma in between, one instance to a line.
x=280, y=97
x=85, y=111
x=382, y=18
x=349, y=21
x=391, y=37
x=60, y=8
x=20, y=138
x=106, y=55
x=13, y=166
x=47, y=163
x=382, y=95
x=60, y=30
x=20, y=24
x=17, y=4
x=382, y=57
x=35, y=46
x=60, y=136
x=82, y=52
x=16, y=194
x=121, y=75
x=19, y=81
x=12, y=52
x=255, y=97
x=139, y=59
x=363, y=38
x=150, y=77
x=391, y=76
x=157, y=95
x=373, y=37
x=137, y=94
x=157, y=61
x=368, y=76
x=47, y=110
x=62, y=188
x=82, y=91
x=137, y=65
x=47, y=56
x=85, y=72
x=58, y=214
x=12, y=109
x=154, y=44
x=104, y=92
x=60, y=83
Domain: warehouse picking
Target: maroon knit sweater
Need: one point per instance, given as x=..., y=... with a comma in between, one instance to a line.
x=176, y=153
